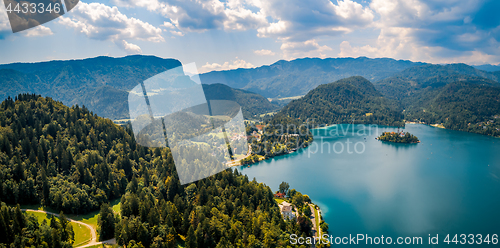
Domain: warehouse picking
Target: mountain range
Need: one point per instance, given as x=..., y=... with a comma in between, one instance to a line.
x=102, y=83
x=297, y=77
x=352, y=99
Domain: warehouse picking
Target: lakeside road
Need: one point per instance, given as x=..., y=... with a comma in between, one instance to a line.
x=316, y=227
x=93, y=231
x=238, y=162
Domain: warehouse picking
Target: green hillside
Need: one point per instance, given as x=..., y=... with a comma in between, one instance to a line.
x=70, y=159
x=252, y=104
x=408, y=85
x=101, y=83
x=461, y=106
x=344, y=101
x=297, y=77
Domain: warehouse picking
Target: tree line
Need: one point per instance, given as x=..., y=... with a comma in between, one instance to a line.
x=74, y=161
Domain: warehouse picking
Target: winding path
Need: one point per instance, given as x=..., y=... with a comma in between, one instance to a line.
x=93, y=231
x=238, y=162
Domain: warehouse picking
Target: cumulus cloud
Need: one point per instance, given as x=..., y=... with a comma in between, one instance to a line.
x=438, y=32
x=168, y=25
x=242, y=19
x=299, y=20
x=291, y=22
x=129, y=47
x=235, y=64
x=100, y=22
x=420, y=30
x=264, y=52
x=149, y=4
x=38, y=31
x=309, y=48
x=4, y=22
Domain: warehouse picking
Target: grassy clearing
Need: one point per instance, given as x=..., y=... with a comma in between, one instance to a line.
x=270, y=113
x=200, y=143
x=89, y=218
x=219, y=135
x=103, y=246
x=116, y=204
x=82, y=233
x=278, y=200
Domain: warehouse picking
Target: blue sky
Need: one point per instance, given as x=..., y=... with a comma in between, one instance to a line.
x=230, y=34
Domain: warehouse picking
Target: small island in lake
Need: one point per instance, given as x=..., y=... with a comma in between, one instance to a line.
x=398, y=137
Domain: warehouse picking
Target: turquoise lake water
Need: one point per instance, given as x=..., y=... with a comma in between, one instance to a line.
x=447, y=184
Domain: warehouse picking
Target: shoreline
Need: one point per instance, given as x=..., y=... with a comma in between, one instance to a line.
x=437, y=125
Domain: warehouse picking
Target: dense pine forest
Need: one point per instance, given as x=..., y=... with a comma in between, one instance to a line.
x=22, y=230
x=73, y=161
x=462, y=106
x=348, y=100
x=279, y=135
x=398, y=137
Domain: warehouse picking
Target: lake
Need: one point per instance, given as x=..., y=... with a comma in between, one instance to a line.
x=447, y=184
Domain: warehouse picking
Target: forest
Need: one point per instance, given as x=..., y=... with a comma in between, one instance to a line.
x=74, y=161
x=22, y=230
x=462, y=106
x=394, y=137
x=280, y=135
x=348, y=100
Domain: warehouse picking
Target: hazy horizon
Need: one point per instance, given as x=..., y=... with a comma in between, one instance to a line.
x=230, y=34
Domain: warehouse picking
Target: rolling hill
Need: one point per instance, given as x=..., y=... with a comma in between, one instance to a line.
x=102, y=83
x=463, y=106
x=252, y=104
x=344, y=101
x=71, y=160
x=297, y=77
x=411, y=85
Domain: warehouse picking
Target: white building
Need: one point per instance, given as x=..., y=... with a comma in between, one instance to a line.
x=286, y=210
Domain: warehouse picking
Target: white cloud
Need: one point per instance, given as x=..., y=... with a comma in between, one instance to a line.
x=194, y=16
x=4, y=22
x=264, y=52
x=299, y=20
x=242, y=19
x=129, y=47
x=275, y=28
x=235, y=64
x=309, y=48
x=38, y=31
x=178, y=33
x=168, y=25
x=149, y=4
x=436, y=32
x=202, y=15
x=346, y=50
x=101, y=22
x=296, y=23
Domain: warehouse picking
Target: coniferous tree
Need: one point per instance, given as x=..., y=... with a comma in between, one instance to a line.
x=106, y=222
